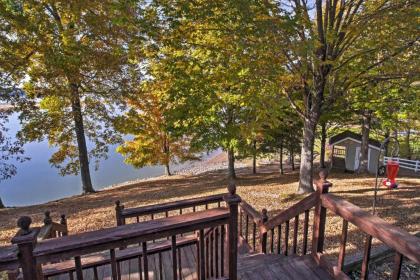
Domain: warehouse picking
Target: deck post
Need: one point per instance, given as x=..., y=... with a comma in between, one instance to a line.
x=63, y=221
x=232, y=200
x=263, y=236
x=322, y=187
x=26, y=239
x=118, y=213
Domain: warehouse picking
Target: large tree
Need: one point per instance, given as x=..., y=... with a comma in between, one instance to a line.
x=210, y=49
x=71, y=59
x=149, y=122
x=324, y=43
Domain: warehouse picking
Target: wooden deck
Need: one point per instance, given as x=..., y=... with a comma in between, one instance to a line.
x=270, y=267
x=250, y=267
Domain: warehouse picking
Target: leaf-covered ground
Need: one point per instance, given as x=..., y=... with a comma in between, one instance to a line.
x=267, y=189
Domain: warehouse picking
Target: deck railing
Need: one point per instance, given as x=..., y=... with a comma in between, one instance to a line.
x=218, y=230
x=276, y=231
x=249, y=222
x=404, y=244
x=151, y=212
x=221, y=236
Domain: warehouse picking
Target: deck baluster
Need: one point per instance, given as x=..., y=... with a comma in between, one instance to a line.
x=286, y=239
x=113, y=264
x=295, y=234
x=140, y=267
x=278, y=239
x=366, y=258
x=174, y=262
x=160, y=266
x=95, y=273
x=222, y=250
x=211, y=254
x=240, y=222
x=78, y=265
x=216, y=246
x=201, y=261
x=254, y=235
x=342, y=253
x=398, y=259
x=246, y=228
x=145, y=261
x=272, y=241
x=263, y=236
x=305, y=232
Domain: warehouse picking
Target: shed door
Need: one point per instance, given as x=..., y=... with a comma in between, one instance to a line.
x=357, y=158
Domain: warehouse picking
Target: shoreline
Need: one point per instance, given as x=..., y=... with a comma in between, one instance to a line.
x=216, y=162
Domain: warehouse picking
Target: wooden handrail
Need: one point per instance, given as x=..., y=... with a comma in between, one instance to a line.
x=395, y=237
x=94, y=241
x=8, y=258
x=159, y=208
x=291, y=212
x=251, y=211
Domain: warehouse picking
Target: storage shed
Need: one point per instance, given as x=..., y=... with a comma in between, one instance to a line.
x=346, y=151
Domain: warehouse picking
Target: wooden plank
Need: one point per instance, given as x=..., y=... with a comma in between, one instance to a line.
x=395, y=237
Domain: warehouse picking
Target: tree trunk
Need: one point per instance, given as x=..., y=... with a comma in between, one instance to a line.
x=292, y=158
x=407, y=143
x=306, y=157
x=231, y=164
x=254, y=157
x=167, y=170
x=364, y=150
x=281, y=157
x=386, y=144
x=81, y=140
x=1, y=204
x=323, y=142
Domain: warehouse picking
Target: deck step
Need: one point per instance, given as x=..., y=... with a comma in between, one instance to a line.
x=272, y=266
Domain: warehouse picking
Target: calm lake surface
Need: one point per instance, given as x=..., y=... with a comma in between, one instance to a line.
x=37, y=182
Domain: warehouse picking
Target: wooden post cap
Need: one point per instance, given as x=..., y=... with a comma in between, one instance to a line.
x=232, y=197
x=47, y=218
x=24, y=223
x=63, y=220
x=264, y=215
x=25, y=234
x=232, y=187
x=322, y=184
x=323, y=174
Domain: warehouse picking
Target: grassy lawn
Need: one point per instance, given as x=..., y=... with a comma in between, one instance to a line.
x=267, y=189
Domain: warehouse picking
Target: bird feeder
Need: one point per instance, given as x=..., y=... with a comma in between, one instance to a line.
x=392, y=168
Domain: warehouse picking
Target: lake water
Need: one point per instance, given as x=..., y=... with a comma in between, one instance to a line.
x=37, y=182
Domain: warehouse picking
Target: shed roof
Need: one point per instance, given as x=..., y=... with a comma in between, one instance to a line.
x=354, y=136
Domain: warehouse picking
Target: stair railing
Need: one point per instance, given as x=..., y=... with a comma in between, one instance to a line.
x=275, y=232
